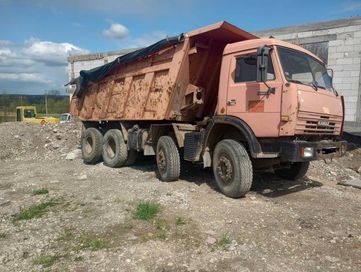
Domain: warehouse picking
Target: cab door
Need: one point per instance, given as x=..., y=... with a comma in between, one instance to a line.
x=254, y=102
x=19, y=115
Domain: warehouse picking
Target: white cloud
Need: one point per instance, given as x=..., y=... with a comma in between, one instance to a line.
x=50, y=52
x=35, y=65
x=147, y=39
x=352, y=6
x=27, y=77
x=5, y=42
x=116, y=31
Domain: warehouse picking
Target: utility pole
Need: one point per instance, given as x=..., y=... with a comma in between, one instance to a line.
x=46, y=103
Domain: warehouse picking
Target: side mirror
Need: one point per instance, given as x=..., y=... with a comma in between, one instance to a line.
x=262, y=62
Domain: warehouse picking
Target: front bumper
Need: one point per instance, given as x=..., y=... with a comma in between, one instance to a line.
x=295, y=151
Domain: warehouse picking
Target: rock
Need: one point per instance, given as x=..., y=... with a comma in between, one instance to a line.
x=59, y=137
x=73, y=155
x=4, y=202
x=82, y=177
x=359, y=170
x=331, y=259
x=211, y=240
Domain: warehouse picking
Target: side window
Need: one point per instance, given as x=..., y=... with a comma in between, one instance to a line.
x=246, y=69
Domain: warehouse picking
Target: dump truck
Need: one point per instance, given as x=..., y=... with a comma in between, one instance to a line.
x=218, y=96
x=28, y=114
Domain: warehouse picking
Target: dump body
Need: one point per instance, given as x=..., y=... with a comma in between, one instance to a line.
x=178, y=82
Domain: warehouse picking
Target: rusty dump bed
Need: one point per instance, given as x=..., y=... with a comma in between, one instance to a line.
x=178, y=82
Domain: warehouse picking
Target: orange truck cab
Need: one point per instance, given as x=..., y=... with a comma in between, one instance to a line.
x=218, y=96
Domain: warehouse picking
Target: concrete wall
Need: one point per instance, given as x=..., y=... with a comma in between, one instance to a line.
x=344, y=54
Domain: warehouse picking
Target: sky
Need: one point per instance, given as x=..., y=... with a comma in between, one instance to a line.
x=37, y=36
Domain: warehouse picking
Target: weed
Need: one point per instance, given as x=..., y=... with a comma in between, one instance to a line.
x=146, y=210
x=67, y=235
x=224, y=241
x=46, y=260
x=161, y=224
x=161, y=235
x=180, y=221
x=41, y=191
x=93, y=243
x=79, y=258
x=34, y=211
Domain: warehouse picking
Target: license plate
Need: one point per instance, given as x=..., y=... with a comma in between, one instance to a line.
x=323, y=123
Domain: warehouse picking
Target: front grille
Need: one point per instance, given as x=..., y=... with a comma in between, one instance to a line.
x=313, y=123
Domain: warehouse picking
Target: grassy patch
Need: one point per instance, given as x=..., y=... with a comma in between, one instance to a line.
x=93, y=243
x=146, y=210
x=41, y=191
x=45, y=260
x=180, y=221
x=34, y=211
x=161, y=235
x=224, y=241
x=79, y=258
x=67, y=235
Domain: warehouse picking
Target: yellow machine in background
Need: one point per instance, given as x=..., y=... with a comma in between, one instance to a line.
x=28, y=114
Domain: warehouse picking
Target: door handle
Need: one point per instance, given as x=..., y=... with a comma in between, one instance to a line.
x=231, y=102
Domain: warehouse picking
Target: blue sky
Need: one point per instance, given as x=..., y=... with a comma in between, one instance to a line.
x=36, y=36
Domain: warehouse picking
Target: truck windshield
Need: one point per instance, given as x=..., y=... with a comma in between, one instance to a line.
x=301, y=68
x=29, y=113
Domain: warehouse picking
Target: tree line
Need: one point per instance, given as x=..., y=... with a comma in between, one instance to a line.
x=56, y=103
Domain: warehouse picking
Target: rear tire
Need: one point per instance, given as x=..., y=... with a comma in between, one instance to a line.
x=295, y=171
x=232, y=168
x=91, y=145
x=115, y=152
x=168, y=159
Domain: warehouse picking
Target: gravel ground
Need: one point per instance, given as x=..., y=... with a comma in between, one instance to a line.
x=87, y=219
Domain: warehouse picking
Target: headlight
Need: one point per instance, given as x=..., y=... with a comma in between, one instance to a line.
x=306, y=152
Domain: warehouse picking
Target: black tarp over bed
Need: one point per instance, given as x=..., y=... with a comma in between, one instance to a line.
x=101, y=72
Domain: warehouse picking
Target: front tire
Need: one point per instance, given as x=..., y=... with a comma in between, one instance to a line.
x=295, y=171
x=91, y=145
x=168, y=159
x=232, y=168
x=115, y=152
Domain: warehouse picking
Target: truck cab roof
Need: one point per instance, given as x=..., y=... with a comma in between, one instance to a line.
x=254, y=43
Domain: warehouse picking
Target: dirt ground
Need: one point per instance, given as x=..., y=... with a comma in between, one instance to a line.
x=87, y=214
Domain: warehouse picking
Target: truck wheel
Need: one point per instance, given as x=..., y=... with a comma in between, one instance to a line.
x=91, y=145
x=232, y=168
x=115, y=152
x=132, y=157
x=168, y=160
x=295, y=171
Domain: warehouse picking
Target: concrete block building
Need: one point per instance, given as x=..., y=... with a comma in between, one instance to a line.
x=337, y=43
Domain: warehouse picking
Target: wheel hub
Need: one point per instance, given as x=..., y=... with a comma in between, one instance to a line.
x=225, y=169
x=161, y=160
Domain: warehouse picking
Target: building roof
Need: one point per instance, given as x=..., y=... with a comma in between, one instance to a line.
x=311, y=27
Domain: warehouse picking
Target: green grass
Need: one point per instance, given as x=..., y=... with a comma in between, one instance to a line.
x=67, y=235
x=34, y=211
x=146, y=210
x=79, y=258
x=180, y=221
x=93, y=243
x=45, y=260
x=41, y=191
x=225, y=240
